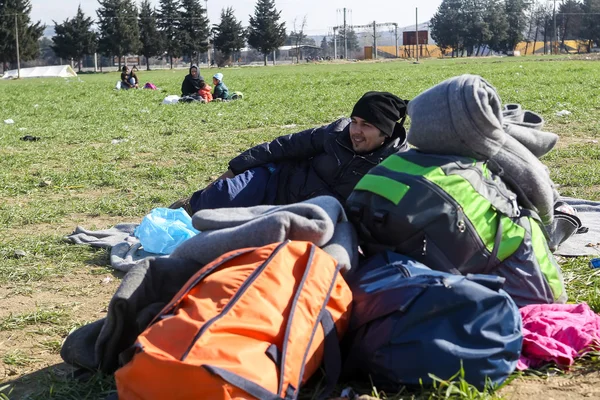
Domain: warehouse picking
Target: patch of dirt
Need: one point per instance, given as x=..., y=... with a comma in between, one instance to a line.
x=566, y=141
x=79, y=298
x=571, y=386
x=584, y=56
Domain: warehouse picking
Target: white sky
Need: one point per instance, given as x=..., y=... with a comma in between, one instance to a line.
x=321, y=14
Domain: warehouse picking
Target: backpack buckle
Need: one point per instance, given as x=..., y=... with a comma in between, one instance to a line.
x=380, y=216
x=356, y=211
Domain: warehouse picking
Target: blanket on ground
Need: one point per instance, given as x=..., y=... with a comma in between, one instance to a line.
x=587, y=243
x=125, y=249
x=150, y=285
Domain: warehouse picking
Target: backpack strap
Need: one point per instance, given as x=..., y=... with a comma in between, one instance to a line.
x=525, y=212
x=492, y=261
x=246, y=385
x=332, y=355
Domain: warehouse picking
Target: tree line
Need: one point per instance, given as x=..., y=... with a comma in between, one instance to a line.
x=176, y=28
x=472, y=26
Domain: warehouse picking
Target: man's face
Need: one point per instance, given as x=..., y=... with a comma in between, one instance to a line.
x=364, y=136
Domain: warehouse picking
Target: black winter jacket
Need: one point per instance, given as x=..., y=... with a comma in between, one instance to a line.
x=317, y=161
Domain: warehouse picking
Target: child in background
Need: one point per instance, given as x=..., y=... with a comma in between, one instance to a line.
x=204, y=91
x=133, y=78
x=221, y=91
x=125, y=78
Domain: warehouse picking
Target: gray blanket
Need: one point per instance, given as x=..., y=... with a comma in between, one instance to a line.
x=151, y=284
x=583, y=244
x=321, y=220
x=125, y=249
x=464, y=116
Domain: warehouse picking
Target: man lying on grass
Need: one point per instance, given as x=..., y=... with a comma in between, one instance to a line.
x=329, y=160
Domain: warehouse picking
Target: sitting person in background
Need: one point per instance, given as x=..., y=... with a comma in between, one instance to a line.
x=133, y=78
x=204, y=91
x=192, y=82
x=221, y=91
x=329, y=160
x=125, y=78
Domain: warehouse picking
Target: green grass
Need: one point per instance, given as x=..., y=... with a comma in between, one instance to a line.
x=17, y=358
x=36, y=318
x=75, y=171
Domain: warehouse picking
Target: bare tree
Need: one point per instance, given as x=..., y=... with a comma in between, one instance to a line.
x=298, y=36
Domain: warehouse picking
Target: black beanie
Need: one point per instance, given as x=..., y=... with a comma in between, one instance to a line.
x=381, y=109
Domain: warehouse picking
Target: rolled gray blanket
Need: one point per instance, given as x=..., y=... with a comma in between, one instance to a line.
x=464, y=116
x=320, y=220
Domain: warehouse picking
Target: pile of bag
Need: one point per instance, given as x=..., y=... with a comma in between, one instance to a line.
x=456, y=235
x=473, y=197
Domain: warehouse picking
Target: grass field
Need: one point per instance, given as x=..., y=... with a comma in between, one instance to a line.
x=109, y=156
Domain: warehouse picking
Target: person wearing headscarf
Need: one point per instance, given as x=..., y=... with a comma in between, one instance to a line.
x=192, y=82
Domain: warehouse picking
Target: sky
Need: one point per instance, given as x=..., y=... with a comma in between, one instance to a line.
x=321, y=15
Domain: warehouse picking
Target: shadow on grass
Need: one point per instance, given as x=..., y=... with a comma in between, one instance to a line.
x=59, y=381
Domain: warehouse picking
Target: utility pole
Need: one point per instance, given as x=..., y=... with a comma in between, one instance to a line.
x=374, y=40
x=396, y=35
x=18, y=56
x=417, y=30
x=208, y=39
x=334, y=43
x=345, y=37
x=555, y=36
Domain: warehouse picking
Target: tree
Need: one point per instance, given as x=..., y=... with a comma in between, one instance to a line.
x=168, y=25
x=29, y=33
x=446, y=26
x=569, y=20
x=531, y=22
x=118, y=27
x=150, y=37
x=229, y=34
x=75, y=38
x=517, y=22
x=297, y=37
x=324, y=46
x=591, y=23
x=194, y=29
x=352, y=42
x=548, y=26
x=497, y=22
x=47, y=54
x=351, y=39
x=265, y=33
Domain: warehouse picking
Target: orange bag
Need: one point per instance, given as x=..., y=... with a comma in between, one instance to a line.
x=253, y=324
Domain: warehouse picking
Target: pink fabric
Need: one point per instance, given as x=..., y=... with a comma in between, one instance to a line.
x=557, y=332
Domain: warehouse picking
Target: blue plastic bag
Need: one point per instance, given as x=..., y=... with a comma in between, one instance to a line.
x=164, y=229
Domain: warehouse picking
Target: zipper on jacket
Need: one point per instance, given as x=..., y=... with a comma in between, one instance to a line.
x=241, y=290
x=354, y=155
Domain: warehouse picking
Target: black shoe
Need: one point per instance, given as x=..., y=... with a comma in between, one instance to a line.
x=183, y=203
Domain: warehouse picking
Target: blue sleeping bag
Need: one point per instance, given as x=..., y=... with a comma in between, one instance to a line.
x=409, y=321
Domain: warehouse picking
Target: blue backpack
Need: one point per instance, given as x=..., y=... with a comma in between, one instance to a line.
x=409, y=321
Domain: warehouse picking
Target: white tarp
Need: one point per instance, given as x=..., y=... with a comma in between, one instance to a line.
x=54, y=71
